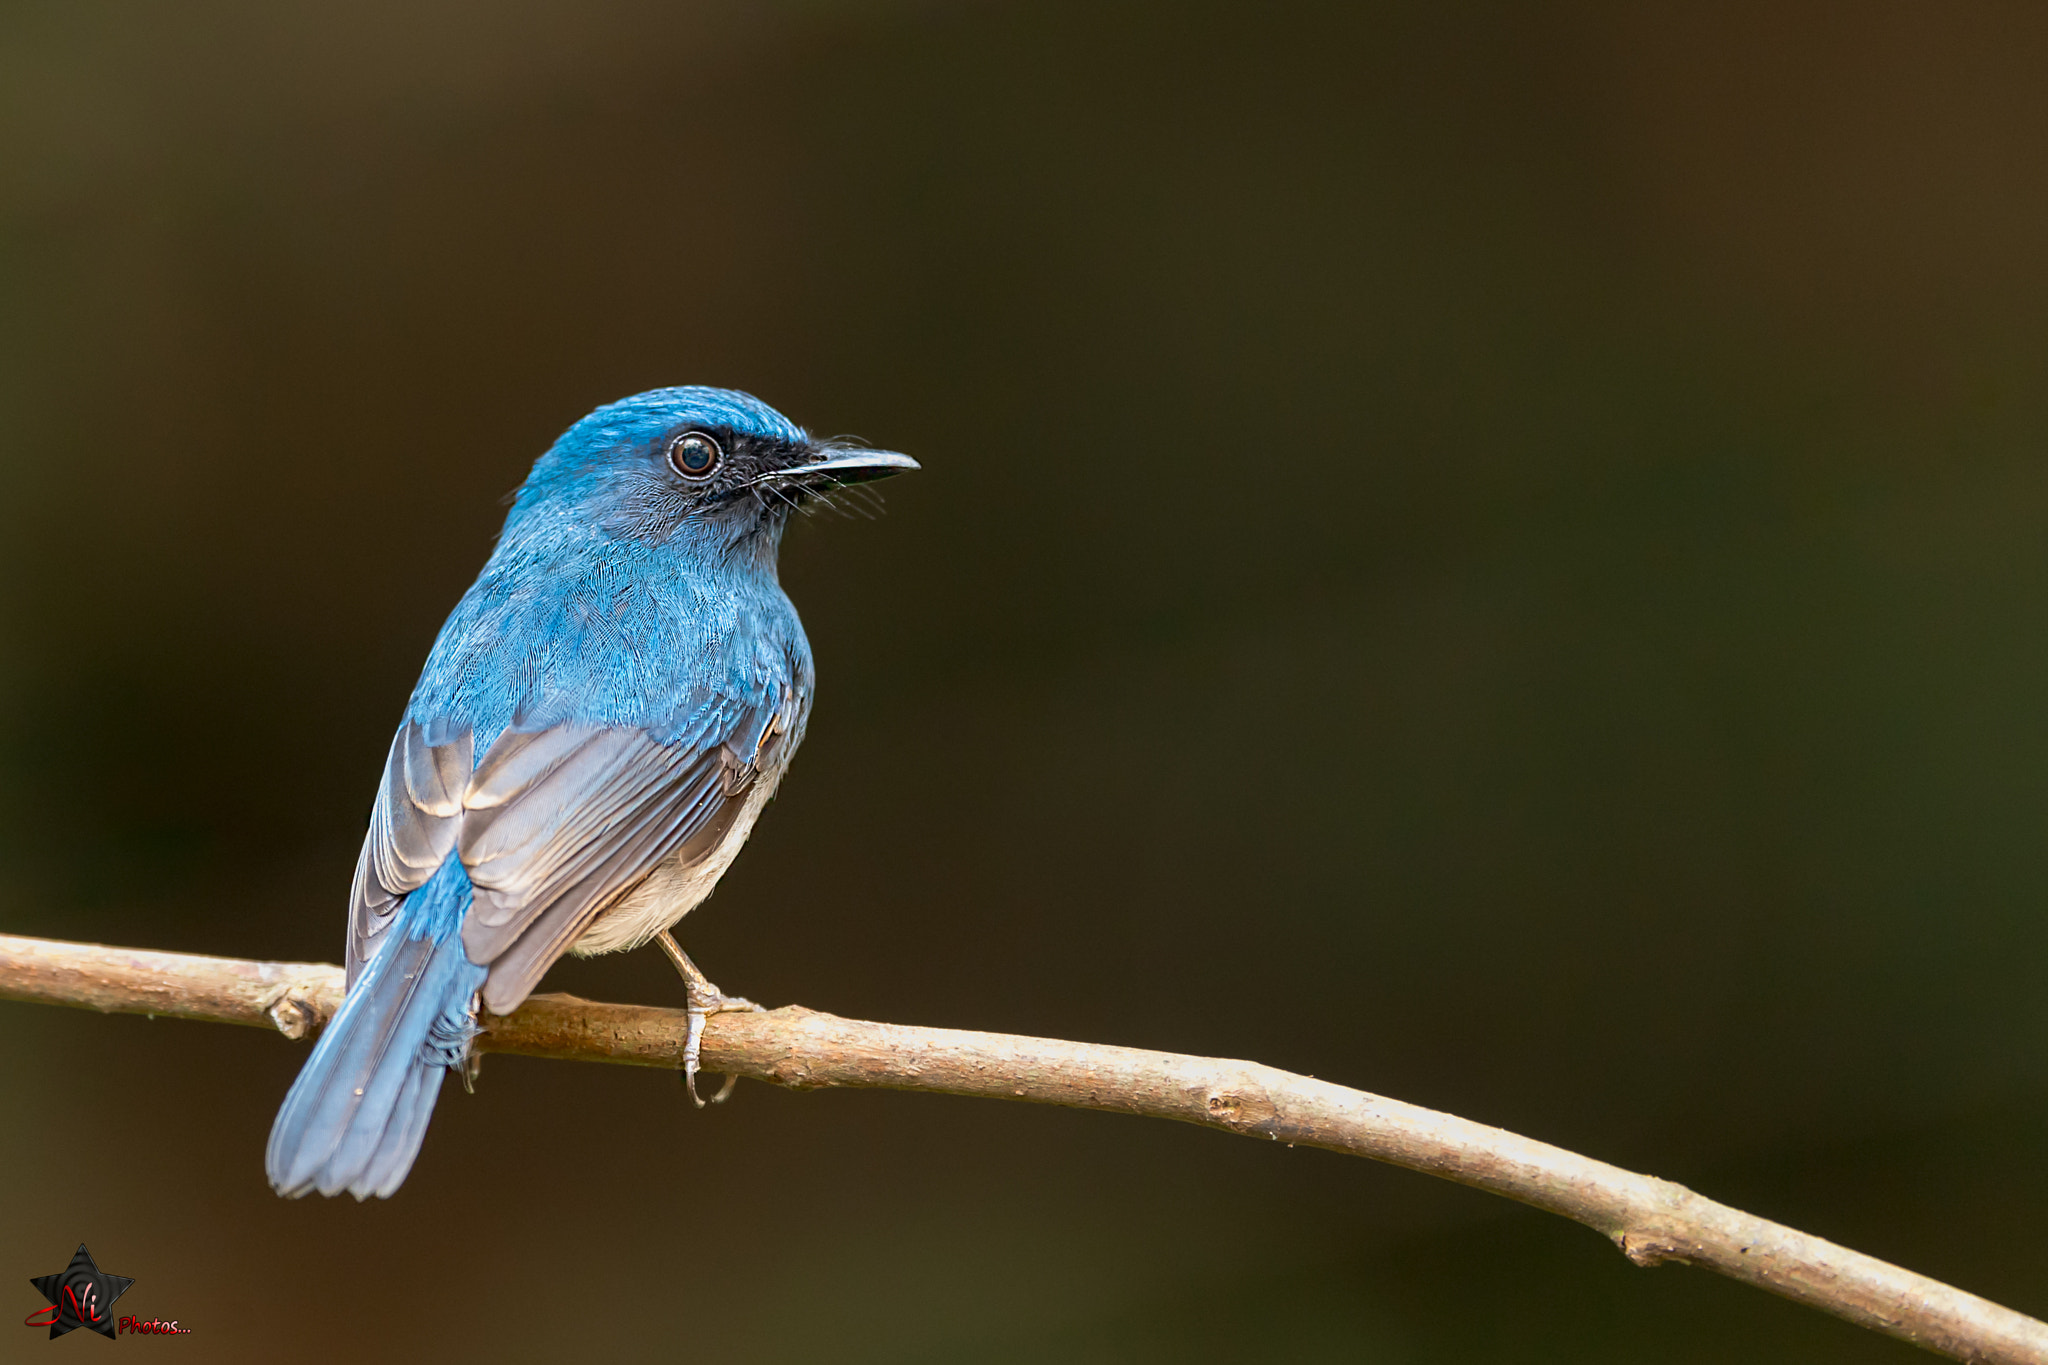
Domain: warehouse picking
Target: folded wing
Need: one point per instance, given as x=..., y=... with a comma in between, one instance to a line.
x=412, y=829
x=556, y=824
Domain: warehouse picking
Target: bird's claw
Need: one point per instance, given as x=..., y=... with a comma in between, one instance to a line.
x=704, y=1004
x=704, y=1000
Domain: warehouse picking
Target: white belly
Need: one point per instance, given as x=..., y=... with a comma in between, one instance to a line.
x=673, y=889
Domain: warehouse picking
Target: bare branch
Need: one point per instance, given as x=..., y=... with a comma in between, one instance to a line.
x=1649, y=1219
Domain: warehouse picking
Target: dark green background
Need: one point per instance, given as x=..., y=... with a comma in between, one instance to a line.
x=1494, y=554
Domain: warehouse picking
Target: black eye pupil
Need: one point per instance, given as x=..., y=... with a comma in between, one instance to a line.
x=694, y=455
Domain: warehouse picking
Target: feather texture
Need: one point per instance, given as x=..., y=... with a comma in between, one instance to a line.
x=356, y=1114
x=412, y=830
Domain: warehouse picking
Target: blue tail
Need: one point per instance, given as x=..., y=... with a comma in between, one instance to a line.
x=356, y=1115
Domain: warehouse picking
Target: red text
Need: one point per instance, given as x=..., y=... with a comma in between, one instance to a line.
x=153, y=1327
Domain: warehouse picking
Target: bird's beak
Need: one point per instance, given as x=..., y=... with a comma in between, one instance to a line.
x=849, y=464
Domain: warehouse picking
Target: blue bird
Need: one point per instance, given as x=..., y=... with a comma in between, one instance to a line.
x=596, y=730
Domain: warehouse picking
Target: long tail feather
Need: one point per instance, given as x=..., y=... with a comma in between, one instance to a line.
x=356, y=1116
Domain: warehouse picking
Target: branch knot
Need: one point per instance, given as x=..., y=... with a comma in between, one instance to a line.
x=293, y=1014
x=1649, y=1248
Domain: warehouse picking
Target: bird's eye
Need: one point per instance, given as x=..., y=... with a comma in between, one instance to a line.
x=694, y=455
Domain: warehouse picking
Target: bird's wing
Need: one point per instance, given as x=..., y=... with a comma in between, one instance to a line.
x=557, y=823
x=412, y=829
x=560, y=823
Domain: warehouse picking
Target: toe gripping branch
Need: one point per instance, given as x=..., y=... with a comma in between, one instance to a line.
x=704, y=1000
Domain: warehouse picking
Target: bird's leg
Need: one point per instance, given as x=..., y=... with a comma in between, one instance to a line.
x=704, y=1000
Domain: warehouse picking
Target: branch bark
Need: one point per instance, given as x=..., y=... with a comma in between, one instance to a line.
x=1651, y=1220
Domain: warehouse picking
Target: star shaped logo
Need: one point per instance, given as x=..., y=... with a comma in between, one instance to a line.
x=80, y=1295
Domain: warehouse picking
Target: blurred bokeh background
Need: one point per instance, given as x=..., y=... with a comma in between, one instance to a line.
x=1495, y=554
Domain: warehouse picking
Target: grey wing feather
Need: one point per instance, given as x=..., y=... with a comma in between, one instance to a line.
x=412, y=829
x=690, y=826
x=556, y=824
x=561, y=823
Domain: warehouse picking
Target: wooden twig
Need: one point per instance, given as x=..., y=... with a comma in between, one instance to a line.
x=1649, y=1219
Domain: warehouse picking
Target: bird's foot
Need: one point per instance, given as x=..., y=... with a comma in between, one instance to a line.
x=704, y=1000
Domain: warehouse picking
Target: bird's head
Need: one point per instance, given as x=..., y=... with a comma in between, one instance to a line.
x=719, y=465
